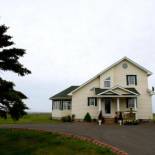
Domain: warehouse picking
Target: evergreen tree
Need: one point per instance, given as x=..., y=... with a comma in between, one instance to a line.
x=11, y=100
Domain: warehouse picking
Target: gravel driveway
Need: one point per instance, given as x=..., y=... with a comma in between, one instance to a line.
x=136, y=140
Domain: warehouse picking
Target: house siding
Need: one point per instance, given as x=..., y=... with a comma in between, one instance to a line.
x=80, y=101
x=118, y=77
x=56, y=113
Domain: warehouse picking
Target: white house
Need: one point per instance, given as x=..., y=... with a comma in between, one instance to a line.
x=120, y=87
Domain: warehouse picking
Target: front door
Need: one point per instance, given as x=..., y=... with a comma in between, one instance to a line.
x=107, y=106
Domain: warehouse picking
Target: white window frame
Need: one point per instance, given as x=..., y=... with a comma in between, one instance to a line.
x=131, y=102
x=56, y=105
x=131, y=80
x=69, y=105
x=92, y=101
x=66, y=105
x=61, y=105
x=106, y=81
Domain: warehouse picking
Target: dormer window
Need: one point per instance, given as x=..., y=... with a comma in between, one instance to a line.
x=107, y=82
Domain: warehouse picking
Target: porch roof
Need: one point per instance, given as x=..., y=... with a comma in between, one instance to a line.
x=132, y=91
x=115, y=96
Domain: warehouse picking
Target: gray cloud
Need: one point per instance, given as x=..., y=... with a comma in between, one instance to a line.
x=70, y=41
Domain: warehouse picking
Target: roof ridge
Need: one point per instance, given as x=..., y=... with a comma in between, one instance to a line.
x=116, y=63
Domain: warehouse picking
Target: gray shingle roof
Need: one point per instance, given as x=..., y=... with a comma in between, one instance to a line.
x=64, y=94
x=133, y=90
x=99, y=90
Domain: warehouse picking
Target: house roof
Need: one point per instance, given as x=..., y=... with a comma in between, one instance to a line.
x=64, y=94
x=116, y=63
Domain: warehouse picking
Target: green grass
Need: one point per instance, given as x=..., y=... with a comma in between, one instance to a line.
x=24, y=142
x=30, y=118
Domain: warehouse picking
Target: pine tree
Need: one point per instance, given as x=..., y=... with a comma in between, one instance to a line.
x=11, y=100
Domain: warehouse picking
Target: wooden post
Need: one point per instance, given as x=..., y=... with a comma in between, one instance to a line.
x=99, y=104
x=135, y=104
x=118, y=105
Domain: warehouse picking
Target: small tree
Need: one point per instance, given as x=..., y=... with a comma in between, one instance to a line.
x=87, y=117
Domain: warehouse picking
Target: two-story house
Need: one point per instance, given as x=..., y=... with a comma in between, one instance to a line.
x=120, y=87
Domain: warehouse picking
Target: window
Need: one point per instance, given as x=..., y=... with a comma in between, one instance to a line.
x=130, y=103
x=107, y=82
x=66, y=105
x=61, y=105
x=92, y=101
x=56, y=104
x=69, y=105
x=131, y=80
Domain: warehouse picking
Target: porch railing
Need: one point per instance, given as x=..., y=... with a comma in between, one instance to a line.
x=126, y=115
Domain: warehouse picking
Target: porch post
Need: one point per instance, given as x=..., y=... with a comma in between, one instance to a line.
x=135, y=104
x=99, y=104
x=118, y=106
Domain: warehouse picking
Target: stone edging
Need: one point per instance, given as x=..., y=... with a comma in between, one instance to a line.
x=83, y=138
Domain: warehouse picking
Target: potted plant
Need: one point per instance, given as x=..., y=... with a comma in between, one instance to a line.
x=120, y=118
x=116, y=117
x=100, y=118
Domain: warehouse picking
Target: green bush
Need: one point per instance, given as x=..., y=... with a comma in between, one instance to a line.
x=87, y=117
x=51, y=117
x=66, y=118
x=73, y=117
x=94, y=120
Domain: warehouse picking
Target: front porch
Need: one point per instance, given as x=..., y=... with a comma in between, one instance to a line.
x=111, y=107
x=117, y=101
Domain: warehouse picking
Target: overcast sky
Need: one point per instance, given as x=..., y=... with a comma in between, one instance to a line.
x=69, y=41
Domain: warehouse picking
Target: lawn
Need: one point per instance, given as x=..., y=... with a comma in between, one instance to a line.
x=30, y=118
x=24, y=142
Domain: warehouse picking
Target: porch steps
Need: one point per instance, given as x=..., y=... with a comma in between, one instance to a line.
x=109, y=120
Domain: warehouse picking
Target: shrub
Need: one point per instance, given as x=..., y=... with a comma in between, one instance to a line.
x=87, y=117
x=73, y=117
x=94, y=120
x=51, y=117
x=66, y=118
